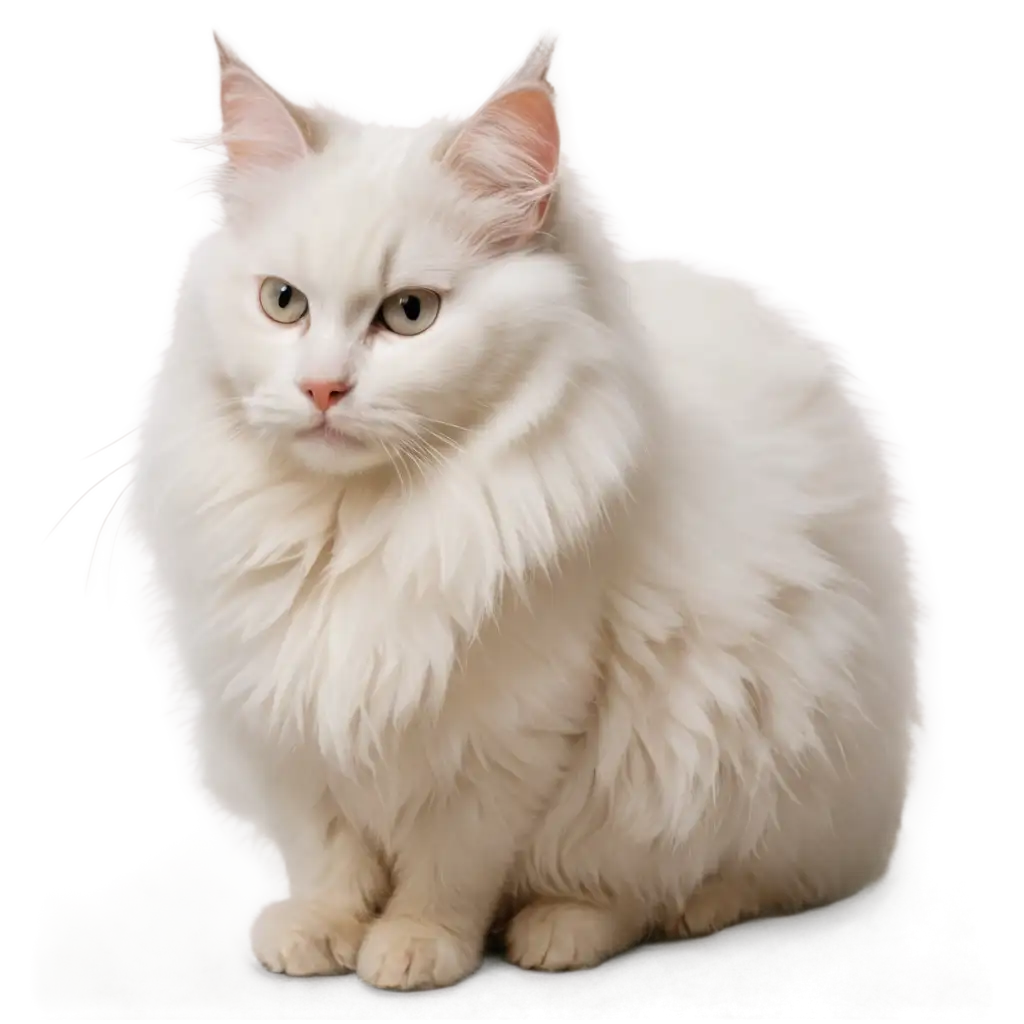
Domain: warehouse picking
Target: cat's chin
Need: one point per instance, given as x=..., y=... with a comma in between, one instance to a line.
x=337, y=455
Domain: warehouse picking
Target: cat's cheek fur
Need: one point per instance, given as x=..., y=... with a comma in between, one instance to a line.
x=633, y=654
x=477, y=351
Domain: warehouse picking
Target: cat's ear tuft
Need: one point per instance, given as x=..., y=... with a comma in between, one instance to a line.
x=509, y=151
x=534, y=70
x=217, y=52
x=261, y=130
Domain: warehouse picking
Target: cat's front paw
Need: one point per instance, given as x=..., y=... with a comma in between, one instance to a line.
x=304, y=937
x=564, y=935
x=406, y=953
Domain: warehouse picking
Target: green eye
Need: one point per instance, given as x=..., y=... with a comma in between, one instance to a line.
x=281, y=301
x=409, y=312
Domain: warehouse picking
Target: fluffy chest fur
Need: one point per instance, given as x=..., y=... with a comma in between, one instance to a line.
x=348, y=617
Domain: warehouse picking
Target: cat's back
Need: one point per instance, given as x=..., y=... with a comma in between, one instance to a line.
x=765, y=464
x=714, y=340
x=757, y=391
x=775, y=502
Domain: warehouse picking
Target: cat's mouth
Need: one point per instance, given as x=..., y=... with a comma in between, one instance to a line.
x=331, y=435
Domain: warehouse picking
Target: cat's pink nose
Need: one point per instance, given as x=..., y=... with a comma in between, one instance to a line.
x=325, y=393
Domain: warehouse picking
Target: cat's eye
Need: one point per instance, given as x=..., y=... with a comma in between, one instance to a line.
x=281, y=301
x=409, y=312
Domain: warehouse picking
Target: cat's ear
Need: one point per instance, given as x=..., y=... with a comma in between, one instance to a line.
x=534, y=70
x=508, y=151
x=262, y=130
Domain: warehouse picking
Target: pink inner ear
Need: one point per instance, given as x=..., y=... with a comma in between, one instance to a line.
x=509, y=149
x=258, y=129
x=533, y=109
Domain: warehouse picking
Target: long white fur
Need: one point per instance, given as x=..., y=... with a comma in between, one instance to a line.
x=609, y=609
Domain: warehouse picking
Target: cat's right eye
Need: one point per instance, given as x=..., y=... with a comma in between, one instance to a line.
x=282, y=302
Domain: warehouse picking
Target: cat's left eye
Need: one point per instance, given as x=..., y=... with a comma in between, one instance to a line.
x=409, y=312
x=282, y=302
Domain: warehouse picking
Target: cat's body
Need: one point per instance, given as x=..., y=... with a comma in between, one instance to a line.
x=618, y=640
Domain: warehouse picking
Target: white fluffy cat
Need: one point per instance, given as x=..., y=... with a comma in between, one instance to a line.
x=520, y=588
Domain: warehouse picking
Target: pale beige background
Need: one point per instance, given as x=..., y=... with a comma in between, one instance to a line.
x=872, y=165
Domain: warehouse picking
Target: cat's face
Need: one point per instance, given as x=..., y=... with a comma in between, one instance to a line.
x=370, y=300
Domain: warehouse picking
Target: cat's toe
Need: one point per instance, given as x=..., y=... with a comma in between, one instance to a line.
x=305, y=938
x=713, y=907
x=564, y=935
x=405, y=953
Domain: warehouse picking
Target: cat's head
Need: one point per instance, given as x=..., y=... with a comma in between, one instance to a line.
x=378, y=292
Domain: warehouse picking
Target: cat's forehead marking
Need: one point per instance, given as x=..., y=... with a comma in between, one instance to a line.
x=362, y=301
x=356, y=227
x=337, y=236
x=387, y=262
x=355, y=210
